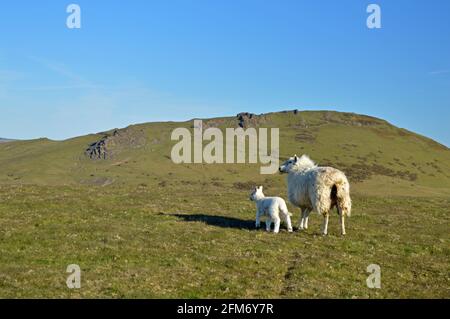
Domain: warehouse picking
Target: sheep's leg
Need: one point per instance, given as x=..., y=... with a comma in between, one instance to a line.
x=342, y=217
x=302, y=219
x=325, y=224
x=268, y=223
x=277, y=224
x=305, y=223
x=343, y=224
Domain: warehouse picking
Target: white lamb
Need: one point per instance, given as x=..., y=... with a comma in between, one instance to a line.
x=271, y=207
x=315, y=188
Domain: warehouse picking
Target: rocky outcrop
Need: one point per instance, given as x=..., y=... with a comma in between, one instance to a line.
x=245, y=119
x=98, y=149
x=111, y=143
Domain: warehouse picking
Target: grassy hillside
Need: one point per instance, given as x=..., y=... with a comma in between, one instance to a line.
x=140, y=226
x=366, y=148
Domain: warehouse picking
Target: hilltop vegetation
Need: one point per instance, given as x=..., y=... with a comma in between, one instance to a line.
x=366, y=148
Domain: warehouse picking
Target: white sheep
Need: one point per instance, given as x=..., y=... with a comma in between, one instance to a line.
x=272, y=207
x=312, y=187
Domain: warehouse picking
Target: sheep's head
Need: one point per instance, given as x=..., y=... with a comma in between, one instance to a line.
x=257, y=193
x=296, y=163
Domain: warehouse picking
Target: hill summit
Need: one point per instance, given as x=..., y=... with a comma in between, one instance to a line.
x=371, y=151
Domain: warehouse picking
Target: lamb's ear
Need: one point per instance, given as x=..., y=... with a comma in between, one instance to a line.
x=260, y=187
x=295, y=158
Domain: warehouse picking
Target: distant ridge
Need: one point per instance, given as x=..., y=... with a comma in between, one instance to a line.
x=5, y=140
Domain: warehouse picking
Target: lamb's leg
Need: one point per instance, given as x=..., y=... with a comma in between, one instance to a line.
x=325, y=224
x=258, y=216
x=268, y=223
x=288, y=222
x=287, y=217
x=276, y=221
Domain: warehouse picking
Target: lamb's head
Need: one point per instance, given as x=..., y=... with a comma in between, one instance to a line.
x=257, y=193
x=295, y=164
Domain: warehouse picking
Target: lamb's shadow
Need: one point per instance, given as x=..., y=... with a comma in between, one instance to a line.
x=218, y=221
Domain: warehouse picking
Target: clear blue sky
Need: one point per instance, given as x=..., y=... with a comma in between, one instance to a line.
x=141, y=61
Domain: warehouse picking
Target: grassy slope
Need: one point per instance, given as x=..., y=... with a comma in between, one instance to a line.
x=138, y=242
x=132, y=240
x=326, y=136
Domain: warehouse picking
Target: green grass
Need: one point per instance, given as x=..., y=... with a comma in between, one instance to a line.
x=137, y=242
x=119, y=221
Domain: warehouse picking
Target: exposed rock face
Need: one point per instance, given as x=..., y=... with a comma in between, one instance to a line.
x=98, y=150
x=113, y=142
x=245, y=119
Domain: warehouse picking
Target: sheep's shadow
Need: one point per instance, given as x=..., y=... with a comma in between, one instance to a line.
x=218, y=221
